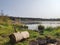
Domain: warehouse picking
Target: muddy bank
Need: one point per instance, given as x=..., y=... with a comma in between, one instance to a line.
x=45, y=41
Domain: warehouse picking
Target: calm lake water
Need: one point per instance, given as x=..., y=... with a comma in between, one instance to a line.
x=35, y=26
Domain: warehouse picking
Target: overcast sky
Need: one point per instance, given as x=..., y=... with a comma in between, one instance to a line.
x=31, y=8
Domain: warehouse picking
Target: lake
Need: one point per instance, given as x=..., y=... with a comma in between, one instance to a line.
x=35, y=26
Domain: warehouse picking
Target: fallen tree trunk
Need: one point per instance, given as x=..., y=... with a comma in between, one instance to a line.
x=25, y=34
x=16, y=37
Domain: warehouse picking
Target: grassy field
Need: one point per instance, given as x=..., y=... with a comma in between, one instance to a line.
x=53, y=32
x=5, y=32
x=6, y=28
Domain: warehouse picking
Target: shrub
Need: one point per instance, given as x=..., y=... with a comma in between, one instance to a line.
x=40, y=27
x=26, y=27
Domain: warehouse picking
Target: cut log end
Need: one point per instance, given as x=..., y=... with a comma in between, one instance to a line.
x=16, y=37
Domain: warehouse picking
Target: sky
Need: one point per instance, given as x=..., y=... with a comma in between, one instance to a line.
x=31, y=8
